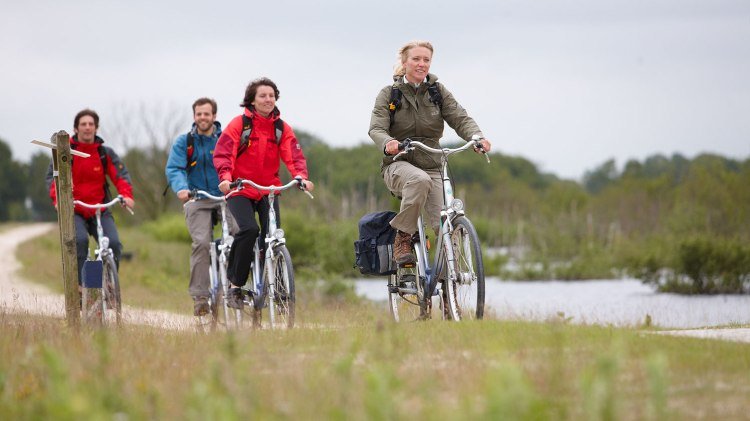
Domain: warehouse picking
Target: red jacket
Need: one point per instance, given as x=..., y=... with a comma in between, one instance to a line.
x=89, y=176
x=260, y=161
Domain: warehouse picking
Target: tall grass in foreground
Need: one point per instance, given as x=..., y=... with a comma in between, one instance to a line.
x=357, y=365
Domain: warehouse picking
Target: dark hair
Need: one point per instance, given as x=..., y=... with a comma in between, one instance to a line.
x=86, y=112
x=252, y=89
x=204, y=101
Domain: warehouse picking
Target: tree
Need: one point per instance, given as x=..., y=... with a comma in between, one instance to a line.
x=12, y=186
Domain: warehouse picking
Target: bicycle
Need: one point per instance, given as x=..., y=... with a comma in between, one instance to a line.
x=456, y=276
x=272, y=286
x=219, y=284
x=110, y=298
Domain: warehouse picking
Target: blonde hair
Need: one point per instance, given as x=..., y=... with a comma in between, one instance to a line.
x=403, y=54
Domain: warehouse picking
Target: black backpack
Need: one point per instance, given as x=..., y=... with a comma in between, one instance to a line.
x=373, y=251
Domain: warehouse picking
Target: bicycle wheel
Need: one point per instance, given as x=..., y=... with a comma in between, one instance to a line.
x=465, y=294
x=216, y=290
x=111, y=288
x=281, y=307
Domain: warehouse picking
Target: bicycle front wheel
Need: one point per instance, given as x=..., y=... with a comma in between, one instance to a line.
x=111, y=287
x=465, y=293
x=281, y=306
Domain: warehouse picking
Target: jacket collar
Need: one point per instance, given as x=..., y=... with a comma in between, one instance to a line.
x=97, y=140
x=275, y=114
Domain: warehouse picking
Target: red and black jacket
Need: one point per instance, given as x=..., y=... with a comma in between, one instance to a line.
x=260, y=161
x=89, y=178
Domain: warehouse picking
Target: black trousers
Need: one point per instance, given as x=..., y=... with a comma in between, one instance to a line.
x=241, y=255
x=86, y=227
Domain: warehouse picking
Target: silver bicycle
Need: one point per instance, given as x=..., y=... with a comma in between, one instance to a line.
x=272, y=283
x=456, y=277
x=108, y=304
x=221, y=314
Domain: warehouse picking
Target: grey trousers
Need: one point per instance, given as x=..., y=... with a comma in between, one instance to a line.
x=418, y=189
x=198, y=219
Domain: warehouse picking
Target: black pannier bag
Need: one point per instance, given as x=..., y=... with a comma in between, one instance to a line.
x=374, y=250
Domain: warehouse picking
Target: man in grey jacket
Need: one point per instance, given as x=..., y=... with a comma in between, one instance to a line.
x=418, y=111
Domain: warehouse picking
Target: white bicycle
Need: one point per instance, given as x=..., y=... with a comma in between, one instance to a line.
x=110, y=300
x=456, y=277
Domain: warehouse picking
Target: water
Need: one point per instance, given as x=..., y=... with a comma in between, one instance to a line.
x=607, y=302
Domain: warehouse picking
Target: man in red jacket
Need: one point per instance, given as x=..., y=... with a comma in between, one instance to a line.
x=90, y=185
x=250, y=147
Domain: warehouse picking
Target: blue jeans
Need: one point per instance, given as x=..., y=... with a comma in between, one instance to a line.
x=86, y=227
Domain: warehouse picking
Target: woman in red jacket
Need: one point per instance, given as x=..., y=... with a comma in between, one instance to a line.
x=250, y=148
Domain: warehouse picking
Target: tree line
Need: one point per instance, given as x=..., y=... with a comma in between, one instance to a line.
x=678, y=222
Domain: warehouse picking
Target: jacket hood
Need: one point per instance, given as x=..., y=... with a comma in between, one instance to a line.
x=217, y=130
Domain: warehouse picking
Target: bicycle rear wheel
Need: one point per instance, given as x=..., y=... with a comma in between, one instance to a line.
x=281, y=307
x=111, y=289
x=465, y=294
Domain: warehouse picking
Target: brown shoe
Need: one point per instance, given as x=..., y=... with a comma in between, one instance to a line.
x=402, y=251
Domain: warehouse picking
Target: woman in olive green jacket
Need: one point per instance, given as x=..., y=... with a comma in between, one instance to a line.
x=416, y=106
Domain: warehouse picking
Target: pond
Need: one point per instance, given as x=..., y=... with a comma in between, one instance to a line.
x=606, y=302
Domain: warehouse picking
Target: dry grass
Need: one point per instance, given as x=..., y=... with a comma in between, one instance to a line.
x=358, y=365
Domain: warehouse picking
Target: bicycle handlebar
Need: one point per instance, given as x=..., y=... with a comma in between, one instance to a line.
x=119, y=199
x=193, y=194
x=297, y=181
x=408, y=145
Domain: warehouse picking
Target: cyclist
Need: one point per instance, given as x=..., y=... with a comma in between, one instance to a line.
x=90, y=185
x=415, y=106
x=250, y=148
x=191, y=167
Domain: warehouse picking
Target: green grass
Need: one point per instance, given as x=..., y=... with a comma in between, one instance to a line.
x=361, y=366
x=353, y=363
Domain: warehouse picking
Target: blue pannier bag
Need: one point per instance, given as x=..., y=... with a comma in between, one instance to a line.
x=373, y=251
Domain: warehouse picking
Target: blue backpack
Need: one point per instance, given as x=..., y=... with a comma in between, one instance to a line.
x=373, y=251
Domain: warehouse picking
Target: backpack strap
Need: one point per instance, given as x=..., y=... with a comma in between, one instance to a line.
x=247, y=130
x=435, y=96
x=103, y=157
x=191, y=160
x=395, y=102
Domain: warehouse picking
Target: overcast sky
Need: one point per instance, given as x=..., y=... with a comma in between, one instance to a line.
x=565, y=84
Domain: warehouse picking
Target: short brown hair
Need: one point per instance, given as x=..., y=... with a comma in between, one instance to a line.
x=252, y=89
x=86, y=112
x=204, y=101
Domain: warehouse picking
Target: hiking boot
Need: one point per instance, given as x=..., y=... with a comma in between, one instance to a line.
x=200, y=306
x=402, y=251
x=234, y=298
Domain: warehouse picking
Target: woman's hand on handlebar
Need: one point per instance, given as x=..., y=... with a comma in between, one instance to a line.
x=224, y=186
x=391, y=147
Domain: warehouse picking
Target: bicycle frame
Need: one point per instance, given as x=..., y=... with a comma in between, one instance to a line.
x=102, y=240
x=452, y=209
x=218, y=261
x=274, y=237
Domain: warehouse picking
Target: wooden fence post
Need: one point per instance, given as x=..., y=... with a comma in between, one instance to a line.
x=62, y=164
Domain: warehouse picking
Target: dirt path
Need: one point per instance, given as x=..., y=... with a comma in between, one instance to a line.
x=18, y=295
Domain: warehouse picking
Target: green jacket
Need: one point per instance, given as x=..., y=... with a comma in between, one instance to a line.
x=419, y=119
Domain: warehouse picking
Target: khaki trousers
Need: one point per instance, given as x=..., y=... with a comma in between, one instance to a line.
x=418, y=189
x=198, y=220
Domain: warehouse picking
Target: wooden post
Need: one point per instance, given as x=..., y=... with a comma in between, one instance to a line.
x=62, y=165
